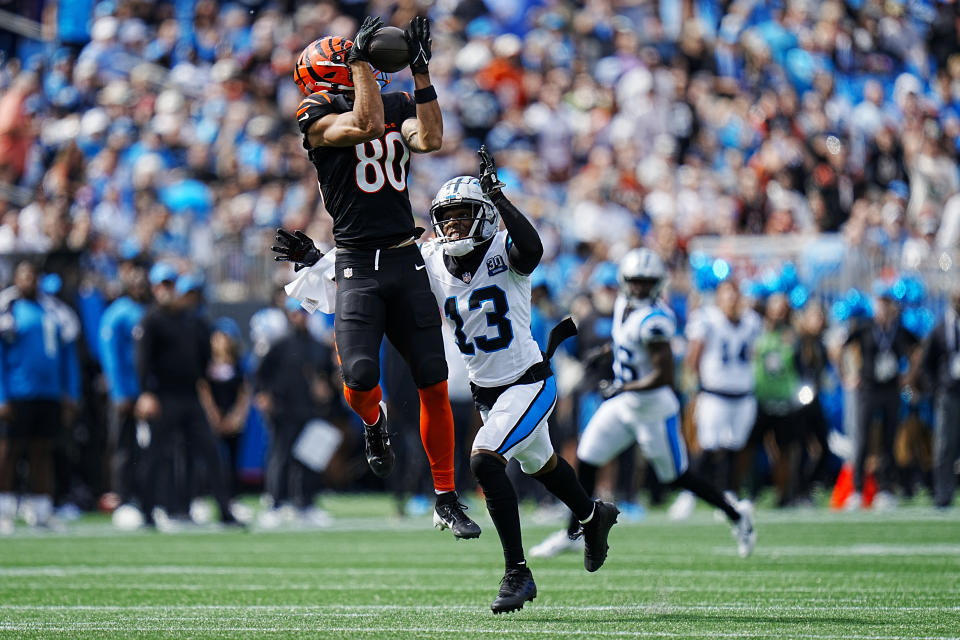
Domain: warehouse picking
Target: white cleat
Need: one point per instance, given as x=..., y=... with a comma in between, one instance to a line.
x=127, y=517
x=853, y=502
x=555, y=544
x=315, y=517
x=166, y=524
x=682, y=507
x=6, y=526
x=242, y=512
x=201, y=511
x=884, y=501
x=270, y=519
x=743, y=530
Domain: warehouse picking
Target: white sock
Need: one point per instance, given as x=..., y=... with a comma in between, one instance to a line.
x=8, y=506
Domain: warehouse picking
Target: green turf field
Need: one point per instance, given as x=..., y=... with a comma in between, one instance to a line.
x=813, y=575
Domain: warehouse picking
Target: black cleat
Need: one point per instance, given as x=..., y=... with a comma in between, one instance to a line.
x=380, y=455
x=516, y=588
x=595, y=535
x=449, y=514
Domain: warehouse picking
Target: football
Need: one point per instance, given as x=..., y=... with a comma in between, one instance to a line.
x=388, y=50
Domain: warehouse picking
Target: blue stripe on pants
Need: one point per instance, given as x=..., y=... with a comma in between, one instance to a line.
x=538, y=410
x=674, y=437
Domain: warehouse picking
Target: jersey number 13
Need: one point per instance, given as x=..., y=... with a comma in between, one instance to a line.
x=497, y=317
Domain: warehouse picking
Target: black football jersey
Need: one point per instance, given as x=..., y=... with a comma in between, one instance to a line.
x=364, y=187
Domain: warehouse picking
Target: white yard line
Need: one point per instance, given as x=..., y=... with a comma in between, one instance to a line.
x=458, y=631
x=323, y=573
x=335, y=609
x=899, y=550
x=911, y=514
x=850, y=594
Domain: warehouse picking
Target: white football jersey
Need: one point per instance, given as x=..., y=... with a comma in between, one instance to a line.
x=489, y=312
x=726, y=364
x=635, y=327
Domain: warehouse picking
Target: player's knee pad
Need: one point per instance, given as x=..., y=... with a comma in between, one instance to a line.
x=431, y=369
x=488, y=470
x=361, y=372
x=533, y=459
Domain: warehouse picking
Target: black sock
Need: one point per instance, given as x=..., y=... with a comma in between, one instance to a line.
x=502, y=506
x=587, y=474
x=562, y=482
x=707, y=493
x=717, y=469
x=730, y=481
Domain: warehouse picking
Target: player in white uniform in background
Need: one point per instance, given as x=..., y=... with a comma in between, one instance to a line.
x=720, y=354
x=641, y=405
x=480, y=277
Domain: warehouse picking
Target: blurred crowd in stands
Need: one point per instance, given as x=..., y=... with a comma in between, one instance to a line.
x=148, y=151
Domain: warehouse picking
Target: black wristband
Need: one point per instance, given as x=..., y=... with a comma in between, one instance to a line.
x=427, y=94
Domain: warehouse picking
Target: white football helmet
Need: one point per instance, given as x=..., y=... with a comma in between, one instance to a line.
x=484, y=217
x=642, y=264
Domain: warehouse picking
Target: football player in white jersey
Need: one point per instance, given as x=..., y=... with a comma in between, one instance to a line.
x=720, y=355
x=481, y=279
x=641, y=405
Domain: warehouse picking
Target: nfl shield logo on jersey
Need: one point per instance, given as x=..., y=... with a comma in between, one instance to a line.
x=348, y=272
x=467, y=277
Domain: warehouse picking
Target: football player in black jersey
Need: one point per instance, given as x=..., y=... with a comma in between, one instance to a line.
x=360, y=144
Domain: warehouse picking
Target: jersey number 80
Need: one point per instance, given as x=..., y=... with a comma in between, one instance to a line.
x=374, y=168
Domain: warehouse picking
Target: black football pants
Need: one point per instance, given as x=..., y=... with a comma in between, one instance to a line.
x=882, y=403
x=181, y=422
x=386, y=291
x=125, y=453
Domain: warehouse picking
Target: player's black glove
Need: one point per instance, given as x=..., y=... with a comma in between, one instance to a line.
x=490, y=185
x=610, y=388
x=296, y=247
x=361, y=41
x=418, y=44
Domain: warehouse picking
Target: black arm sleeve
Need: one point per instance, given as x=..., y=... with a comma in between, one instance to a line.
x=525, y=248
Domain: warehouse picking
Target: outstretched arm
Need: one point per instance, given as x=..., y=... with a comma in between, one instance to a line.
x=296, y=247
x=525, y=248
x=425, y=132
x=365, y=121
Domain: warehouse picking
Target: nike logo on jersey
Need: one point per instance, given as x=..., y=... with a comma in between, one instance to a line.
x=304, y=116
x=420, y=266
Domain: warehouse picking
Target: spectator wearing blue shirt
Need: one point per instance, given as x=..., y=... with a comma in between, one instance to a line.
x=39, y=386
x=117, y=355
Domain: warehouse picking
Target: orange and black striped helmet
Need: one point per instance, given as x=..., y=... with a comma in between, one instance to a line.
x=322, y=66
